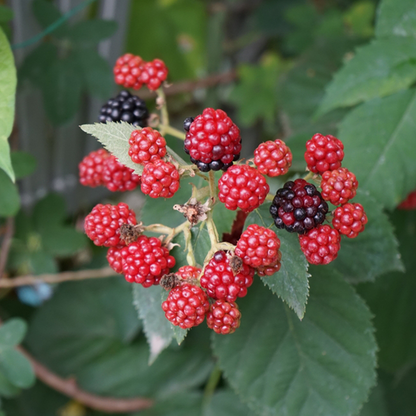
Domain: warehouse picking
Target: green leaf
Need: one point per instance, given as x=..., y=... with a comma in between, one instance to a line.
x=41, y=262
x=7, y=389
x=290, y=283
x=375, y=251
x=187, y=403
x=359, y=18
x=16, y=367
x=23, y=164
x=6, y=14
x=115, y=138
x=36, y=64
x=7, y=98
x=375, y=405
x=46, y=14
x=12, y=332
x=97, y=343
x=322, y=365
x=96, y=72
x=61, y=90
x=49, y=212
x=9, y=196
x=396, y=18
x=63, y=241
x=88, y=33
x=158, y=330
x=379, y=146
x=392, y=302
x=381, y=68
x=226, y=403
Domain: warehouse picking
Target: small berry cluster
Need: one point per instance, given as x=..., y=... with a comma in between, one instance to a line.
x=132, y=71
x=144, y=260
x=102, y=168
x=300, y=207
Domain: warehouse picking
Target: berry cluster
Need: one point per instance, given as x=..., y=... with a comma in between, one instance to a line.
x=132, y=72
x=102, y=168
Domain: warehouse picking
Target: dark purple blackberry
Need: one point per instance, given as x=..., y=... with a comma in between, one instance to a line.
x=125, y=107
x=298, y=207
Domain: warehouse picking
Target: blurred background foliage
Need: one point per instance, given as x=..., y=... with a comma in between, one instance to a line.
x=268, y=63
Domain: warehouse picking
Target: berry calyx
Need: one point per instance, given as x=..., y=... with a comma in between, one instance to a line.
x=258, y=246
x=324, y=153
x=146, y=145
x=350, y=219
x=339, y=186
x=409, y=203
x=127, y=71
x=186, y=306
x=220, y=281
x=91, y=168
x=212, y=140
x=115, y=259
x=320, y=245
x=223, y=317
x=153, y=74
x=103, y=224
x=160, y=179
x=145, y=261
x=298, y=207
x=242, y=187
x=118, y=177
x=273, y=158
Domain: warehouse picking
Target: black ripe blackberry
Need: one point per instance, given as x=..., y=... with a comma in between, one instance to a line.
x=298, y=207
x=125, y=107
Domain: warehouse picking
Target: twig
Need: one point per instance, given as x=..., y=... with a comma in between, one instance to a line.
x=192, y=85
x=69, y=388
x=5, y=245
x=58, y=277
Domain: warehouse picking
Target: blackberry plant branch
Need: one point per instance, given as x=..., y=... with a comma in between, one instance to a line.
x=164, y=114
x=190, y=257
x=167, y=129
x=6, y=244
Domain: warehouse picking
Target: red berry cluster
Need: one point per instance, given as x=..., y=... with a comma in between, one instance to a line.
x=273, y=158
x=102, y=168
x=132, y=72
x=143, y=261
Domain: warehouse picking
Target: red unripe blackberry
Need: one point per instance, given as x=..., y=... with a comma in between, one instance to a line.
x=271, y=269
x=153, y=74
x=188, y=272
x=145, y=261
x=409, y=203
x=146, y=145
x=320, y=245
x=350, y=219
x=103, y=224
x=118, y=177
x=125, y=107
x=127, y=71
x=186, y=306
x=258, y=246
x=160, y=179
x=324, y=153
x=339, y=186
x=242, y=187
x=273, y=158
x=212, y=141
x=298, y=207
x=223, y=317
x=220, y=281
x=91, y=168
x=115, y=259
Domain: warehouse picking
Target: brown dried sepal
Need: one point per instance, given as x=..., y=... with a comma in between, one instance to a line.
x=169, y=281
x=130, y=233
x=193, y=210
x=236, y=263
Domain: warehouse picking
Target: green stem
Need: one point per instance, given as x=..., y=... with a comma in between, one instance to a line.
x=190, y=257
x=269, y=197
x=308, y=176
x=172, y=131
x=161, y=98
x=212, y=187
x=211, y=385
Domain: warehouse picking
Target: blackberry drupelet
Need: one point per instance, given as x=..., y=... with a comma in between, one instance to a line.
x=125, y=107
x=298, y=207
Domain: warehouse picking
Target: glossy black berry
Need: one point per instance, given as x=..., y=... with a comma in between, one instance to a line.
x=298, y=207
x=125, y=107
x=187, y=123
